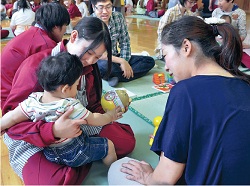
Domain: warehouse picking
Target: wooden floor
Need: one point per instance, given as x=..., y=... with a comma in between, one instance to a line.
x=143, y=38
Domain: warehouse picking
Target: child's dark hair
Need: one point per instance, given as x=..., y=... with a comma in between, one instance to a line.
x=228, y=55
x=224, y=16
x=62, y=69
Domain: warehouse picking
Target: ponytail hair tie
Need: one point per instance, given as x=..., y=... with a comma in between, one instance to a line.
x=215, y=30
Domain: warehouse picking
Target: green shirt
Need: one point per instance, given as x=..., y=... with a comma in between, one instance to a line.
x=119, y=35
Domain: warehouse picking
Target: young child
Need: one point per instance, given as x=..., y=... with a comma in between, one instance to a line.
x=227, y=18
x=59, y=76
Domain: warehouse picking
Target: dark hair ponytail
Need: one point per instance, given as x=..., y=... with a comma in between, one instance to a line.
x=228, y=55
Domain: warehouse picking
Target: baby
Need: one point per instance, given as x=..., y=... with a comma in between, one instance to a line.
x=59, y=76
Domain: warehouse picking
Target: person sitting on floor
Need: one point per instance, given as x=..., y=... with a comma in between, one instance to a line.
x=43, y=35
x=238, y=15
x=22, y=19
x=82, y=8
x=89, y=40
x=183, y=8
x=141, y=7
x=125, y=67
x=58, y=96
x=3, y=9
x=203, y=138
x=73, y=9
x=153, y=10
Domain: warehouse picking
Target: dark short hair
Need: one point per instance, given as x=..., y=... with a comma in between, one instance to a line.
x=50, y=15
x=182, y=2
x=61, y=69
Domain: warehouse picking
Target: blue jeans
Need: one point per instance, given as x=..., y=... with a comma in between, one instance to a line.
x=80, y=151
x=141, y=65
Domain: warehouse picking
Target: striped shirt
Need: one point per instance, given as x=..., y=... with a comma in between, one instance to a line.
x=119, y=35
x=170, y=15
x=20, y=151
x=50, y=112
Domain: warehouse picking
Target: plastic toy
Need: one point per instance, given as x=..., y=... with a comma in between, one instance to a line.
x=156, y=122
x=115, y=98
x=170, y=79
x=159, y=78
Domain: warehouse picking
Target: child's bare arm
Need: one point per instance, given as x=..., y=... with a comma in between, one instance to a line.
x=11, y=118
x=97, y=119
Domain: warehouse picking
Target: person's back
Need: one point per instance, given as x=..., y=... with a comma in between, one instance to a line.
x=73, y=10
x=140, y=8
x=220, y=154
x=43, y=35
x=82, y=8
x=150, y=6
x=22, y=20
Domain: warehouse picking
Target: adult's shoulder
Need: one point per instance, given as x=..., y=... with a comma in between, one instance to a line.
x=34, y=60
x=117, y=15
x=117, y=18
x=240, y=11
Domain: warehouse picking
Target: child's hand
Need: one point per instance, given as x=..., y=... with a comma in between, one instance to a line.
x=235, y=16
x=126, y=108
x=116, y=113
x=151, y=136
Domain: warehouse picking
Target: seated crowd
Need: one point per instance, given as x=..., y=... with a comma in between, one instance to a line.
x=199, y=145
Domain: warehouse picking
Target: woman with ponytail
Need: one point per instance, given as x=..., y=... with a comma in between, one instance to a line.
x=204, y=134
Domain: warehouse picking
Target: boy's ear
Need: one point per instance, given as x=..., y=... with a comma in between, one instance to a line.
x=65, y=88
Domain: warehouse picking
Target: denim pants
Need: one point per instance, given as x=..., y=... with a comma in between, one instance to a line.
x=141, y=65
x=79, y=151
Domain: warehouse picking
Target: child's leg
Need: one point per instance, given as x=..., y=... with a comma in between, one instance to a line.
x=79, y=151
x=111, y=157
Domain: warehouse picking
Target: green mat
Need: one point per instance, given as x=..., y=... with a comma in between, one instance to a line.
x=98, y=172
x=139, y=116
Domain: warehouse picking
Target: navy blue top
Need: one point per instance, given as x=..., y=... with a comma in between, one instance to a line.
x=206, y=125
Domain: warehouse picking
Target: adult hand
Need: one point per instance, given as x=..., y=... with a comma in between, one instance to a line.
x=65, y=127
x=137, y=171
x=126, y=68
